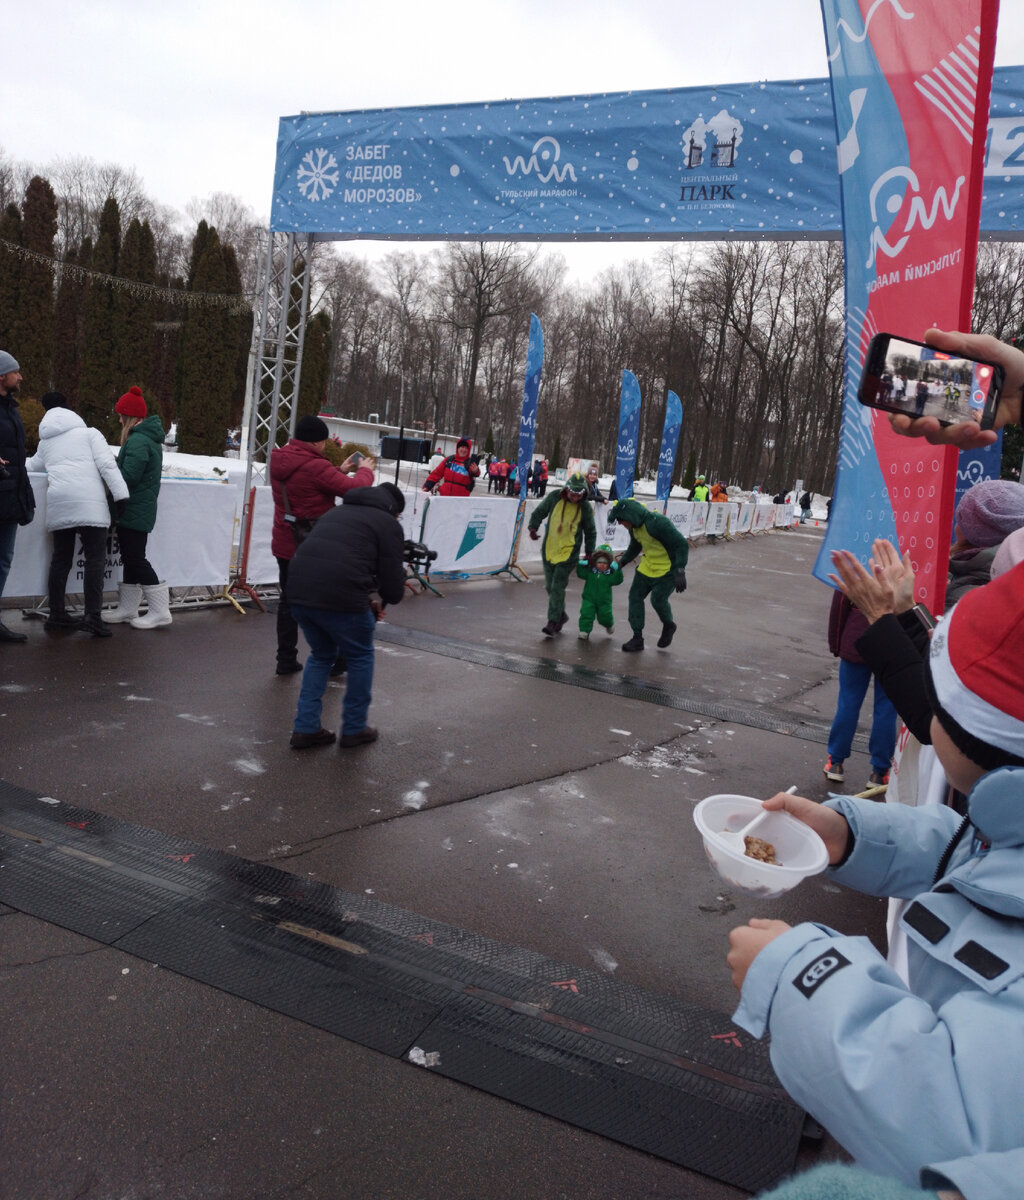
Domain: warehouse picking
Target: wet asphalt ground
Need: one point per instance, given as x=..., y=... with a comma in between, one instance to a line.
x=536, y=791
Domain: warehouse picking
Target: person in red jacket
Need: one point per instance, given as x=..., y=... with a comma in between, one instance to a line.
x=455, y=475
x=304, y=484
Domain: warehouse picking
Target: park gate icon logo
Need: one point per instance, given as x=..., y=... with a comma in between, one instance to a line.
x=712, y=145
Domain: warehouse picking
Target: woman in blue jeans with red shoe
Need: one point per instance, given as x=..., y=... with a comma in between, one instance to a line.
x=846, y=623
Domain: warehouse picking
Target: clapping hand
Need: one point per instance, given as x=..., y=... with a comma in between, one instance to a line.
x=897, y=573
x=886, y=585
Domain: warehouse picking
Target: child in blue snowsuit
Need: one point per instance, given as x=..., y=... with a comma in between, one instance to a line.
x=600, y=573
x=918, y=1080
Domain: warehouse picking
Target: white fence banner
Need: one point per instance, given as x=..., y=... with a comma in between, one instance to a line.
x=718, y=520
x=262, y=565
x=470, y=535
x=196, y=539
x=764, y=517
x=189, y=547
x=744, y=518
x=680, y=513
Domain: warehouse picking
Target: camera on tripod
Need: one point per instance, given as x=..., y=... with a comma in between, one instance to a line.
x=417, y=556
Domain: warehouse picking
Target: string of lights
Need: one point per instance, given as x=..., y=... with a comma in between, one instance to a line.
x=234, y=304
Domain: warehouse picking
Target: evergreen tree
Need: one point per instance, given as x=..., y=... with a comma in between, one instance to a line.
x=316, y=365
x=208, y=357
x=489, y=441
x=68, y=326
x=163, y=378
x=689, y=477
x=200, y=241
x=134, y=314
x=241, y=332
x=556, y=454
x=101, y=383
x=10, y=275
x=32, y=321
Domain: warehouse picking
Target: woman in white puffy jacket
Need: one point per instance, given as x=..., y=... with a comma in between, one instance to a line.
x=78, y=463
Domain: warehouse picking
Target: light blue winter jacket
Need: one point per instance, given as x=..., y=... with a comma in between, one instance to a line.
x=922, y=1083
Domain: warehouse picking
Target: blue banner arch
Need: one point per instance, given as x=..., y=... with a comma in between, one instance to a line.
x=741, y=161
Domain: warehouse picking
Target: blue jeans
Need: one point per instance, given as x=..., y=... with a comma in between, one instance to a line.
x=8, y=532
x=853, y=686
x=330, y=634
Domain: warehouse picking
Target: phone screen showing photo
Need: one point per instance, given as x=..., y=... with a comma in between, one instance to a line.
x=908, y=377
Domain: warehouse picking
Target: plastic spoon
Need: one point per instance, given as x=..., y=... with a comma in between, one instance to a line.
x=736, y=839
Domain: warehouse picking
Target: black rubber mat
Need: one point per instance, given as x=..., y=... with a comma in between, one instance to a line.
x=646, y=1070
x=614, y=683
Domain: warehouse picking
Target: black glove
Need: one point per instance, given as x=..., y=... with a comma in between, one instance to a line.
x=680, y=578
x=119, y=507
x=534, y=535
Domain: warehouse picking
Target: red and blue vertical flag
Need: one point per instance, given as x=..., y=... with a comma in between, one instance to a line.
x=910, y=89
x=528, y=414
x=669, y=445
x=629, y=433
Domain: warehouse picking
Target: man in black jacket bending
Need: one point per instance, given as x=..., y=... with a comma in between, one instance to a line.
x=341, y=577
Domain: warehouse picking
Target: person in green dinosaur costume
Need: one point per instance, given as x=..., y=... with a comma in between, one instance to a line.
x=570, y=520
x=662, y=571
x=600, y=573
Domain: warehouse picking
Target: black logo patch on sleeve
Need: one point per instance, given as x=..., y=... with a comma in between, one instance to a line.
x=815, y=973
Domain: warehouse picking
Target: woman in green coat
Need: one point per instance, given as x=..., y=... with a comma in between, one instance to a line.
x=140, y=461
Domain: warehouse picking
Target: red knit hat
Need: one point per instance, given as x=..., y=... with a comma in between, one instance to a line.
x=131, y=403
x=975, y=669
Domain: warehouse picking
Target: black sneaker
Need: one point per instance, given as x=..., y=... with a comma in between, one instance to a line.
x=636, y=642
x=93, y=624
x=362, y=738
x=305, y=741
x=289, y=667
x=562, y=620
x=667, y=634
x=8, y=635
x=61, y=620
x=550, y=629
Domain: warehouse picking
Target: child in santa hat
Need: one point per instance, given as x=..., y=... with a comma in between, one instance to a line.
x=919, y=1082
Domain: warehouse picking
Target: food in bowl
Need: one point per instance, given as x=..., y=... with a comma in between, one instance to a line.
x=799, y=851
x=758, y=848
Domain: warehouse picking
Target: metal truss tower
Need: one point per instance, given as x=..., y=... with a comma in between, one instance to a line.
x=275, y=368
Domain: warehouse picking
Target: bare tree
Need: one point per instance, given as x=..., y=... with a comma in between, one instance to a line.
x=483, y=281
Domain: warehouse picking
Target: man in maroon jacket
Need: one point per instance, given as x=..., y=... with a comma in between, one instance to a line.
x=304, y=484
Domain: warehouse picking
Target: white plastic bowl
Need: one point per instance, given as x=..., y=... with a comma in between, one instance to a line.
x=800, y=851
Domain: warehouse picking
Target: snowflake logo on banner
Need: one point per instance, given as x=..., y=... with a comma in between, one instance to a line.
x=318, y=175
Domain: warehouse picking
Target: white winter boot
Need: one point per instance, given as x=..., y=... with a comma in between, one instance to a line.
x=158, y=597
x=129, y=597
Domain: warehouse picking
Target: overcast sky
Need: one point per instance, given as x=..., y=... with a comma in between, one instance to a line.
x=189, y=92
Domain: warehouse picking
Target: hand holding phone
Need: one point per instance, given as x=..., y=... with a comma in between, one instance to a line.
x=915, y=379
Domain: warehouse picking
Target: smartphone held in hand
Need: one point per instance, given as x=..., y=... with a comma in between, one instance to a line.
x=905, y=376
